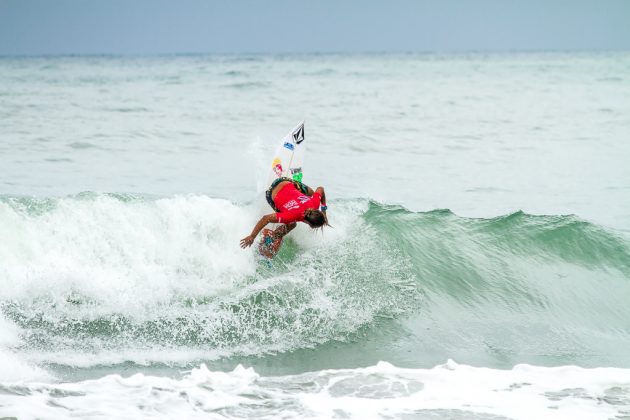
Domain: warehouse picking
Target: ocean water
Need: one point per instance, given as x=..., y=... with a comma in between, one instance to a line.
x=478, y=265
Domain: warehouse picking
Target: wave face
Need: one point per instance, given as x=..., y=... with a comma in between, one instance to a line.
x=542, y=289
x=102, y=279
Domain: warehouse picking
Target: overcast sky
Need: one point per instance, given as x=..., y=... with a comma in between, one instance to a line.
x=32, y=27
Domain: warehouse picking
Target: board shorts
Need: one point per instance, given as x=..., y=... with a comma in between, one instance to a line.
x=303, y=188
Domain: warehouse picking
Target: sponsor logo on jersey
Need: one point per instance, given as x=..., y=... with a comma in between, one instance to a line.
x=289, y=146
x=292, y=204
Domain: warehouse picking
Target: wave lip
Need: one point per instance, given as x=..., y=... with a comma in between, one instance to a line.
x=381, y=391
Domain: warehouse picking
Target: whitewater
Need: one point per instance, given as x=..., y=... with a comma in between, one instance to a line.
x=478, y=265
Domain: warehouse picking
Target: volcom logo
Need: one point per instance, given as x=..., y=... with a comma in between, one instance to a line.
x=298, y=134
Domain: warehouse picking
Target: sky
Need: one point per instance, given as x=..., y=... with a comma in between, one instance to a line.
x=49, y=27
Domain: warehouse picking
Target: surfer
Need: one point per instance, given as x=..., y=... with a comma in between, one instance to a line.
x=292, y=202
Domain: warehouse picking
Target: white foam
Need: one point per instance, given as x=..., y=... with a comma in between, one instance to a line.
x=13, y=368
x=127, y=256
x=132, y=256
x=445, y=391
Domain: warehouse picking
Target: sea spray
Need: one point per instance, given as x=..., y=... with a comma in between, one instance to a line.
x=108, y=276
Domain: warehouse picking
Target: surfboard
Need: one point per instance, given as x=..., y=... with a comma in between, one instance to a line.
x=287, y=162
x=269, y=246
x=289, y=156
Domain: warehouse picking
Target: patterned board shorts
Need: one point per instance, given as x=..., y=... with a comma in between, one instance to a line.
x=303, y=188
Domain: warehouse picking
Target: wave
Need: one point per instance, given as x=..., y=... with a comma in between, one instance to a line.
x=105, y=274
x=450, y=391
x=99, y=279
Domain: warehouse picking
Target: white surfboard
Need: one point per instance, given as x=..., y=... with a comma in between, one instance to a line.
x=289, y=157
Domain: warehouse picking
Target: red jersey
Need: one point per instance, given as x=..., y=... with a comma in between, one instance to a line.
x=292, y=204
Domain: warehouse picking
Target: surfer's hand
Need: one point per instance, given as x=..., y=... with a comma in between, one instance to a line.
x=247, y=241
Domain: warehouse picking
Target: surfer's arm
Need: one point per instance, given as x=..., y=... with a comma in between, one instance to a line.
x=269, y=218
x=321, y=192
x=322, y=202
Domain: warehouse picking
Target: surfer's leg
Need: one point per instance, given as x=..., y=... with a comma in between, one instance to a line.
x=283, y=230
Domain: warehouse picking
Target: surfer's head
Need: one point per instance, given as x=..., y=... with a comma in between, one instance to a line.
x=315, y=218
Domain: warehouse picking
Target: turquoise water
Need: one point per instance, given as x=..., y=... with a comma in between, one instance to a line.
x=479, y=260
